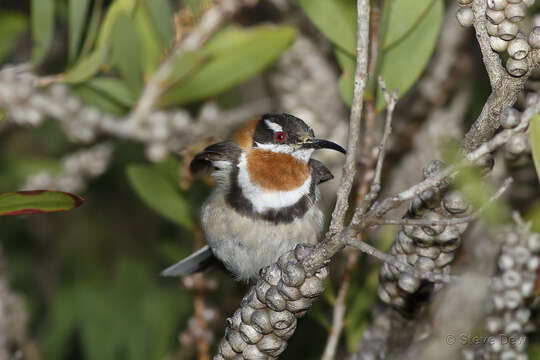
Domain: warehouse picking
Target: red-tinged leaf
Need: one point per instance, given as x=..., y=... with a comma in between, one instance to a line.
x=37, y=202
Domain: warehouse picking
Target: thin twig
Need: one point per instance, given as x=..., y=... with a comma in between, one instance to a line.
x=451, y=221
x=375, y=188
x=501, y=138
x=360, y=79
x=402, y=266
x=338, y=310
x=368, y=122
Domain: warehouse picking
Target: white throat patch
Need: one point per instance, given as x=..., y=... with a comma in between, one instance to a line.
x=263, y=200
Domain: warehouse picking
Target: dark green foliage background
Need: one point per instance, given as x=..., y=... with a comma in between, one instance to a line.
x=90, y=277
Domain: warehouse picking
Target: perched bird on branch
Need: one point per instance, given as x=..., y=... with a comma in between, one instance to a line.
x=266, y=200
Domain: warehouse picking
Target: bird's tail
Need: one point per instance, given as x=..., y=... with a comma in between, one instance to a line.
x=200, y=260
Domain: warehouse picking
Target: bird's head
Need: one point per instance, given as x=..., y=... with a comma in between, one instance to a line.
x=284, y=133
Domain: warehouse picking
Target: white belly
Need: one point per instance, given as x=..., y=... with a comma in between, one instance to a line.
x=245, y=245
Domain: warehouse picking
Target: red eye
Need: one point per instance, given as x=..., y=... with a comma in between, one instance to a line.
x=280, y=136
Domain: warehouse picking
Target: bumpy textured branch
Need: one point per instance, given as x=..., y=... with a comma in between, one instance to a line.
x=430, y=248
x=267, y=316
x=505, y=87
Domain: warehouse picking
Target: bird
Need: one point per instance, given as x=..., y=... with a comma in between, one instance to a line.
x=266, y=199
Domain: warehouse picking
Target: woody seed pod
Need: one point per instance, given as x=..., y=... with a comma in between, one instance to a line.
x=235, y=340
x=299, y=305
x=275, y=300
x=531, y=99
x=226, y=350
x=249, y=334
x=513, y=1
x=408, y=283
x=517, y=68
x=518, y=48
x=465, y=16
x=281, y=319
x=271, y=274
x=251, y=352
x=517, y=144
x=492, y=29
x=497, y=4
x=510, y=118
x=290, y=292
x=528, y=3
x=495, y=16
x=271, y=345
x=534, y=37
x=464, y=2
x=508, y=30
x=515, y=12
x=312, y=287
x=455, y=203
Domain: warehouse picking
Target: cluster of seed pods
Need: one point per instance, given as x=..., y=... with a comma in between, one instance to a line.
x=77, y=169
x=508, y=319
x=267, y=316
x=519, y=144
x=26, y=106
x=428, y=248
x=503, y=17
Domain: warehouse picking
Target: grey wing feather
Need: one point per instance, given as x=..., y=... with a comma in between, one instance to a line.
x=319, y=171
x=195, y=262
x=203, y=163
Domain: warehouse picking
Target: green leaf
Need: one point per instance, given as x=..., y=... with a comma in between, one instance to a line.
x=78, y=9
x=359, y=301
x=37, y=202
x=234, y=55
x=150, y=40
x=42, y=19
x=12, y=25
x=533, y=351
x=126, y=51
x=117, y=8
x=347, y=64
x=402, y=16
x=336, y=19
x=62, y=318
x=185, y=64
x=160, y=194
x=115, y=88
x=402, y=63
x=83, y=306
x=93, y=27
x=87, y=67
x=98, y=98
x=161, y=16
x=535, y=142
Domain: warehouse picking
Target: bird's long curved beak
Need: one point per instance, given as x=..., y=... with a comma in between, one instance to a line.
x=312, y=143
